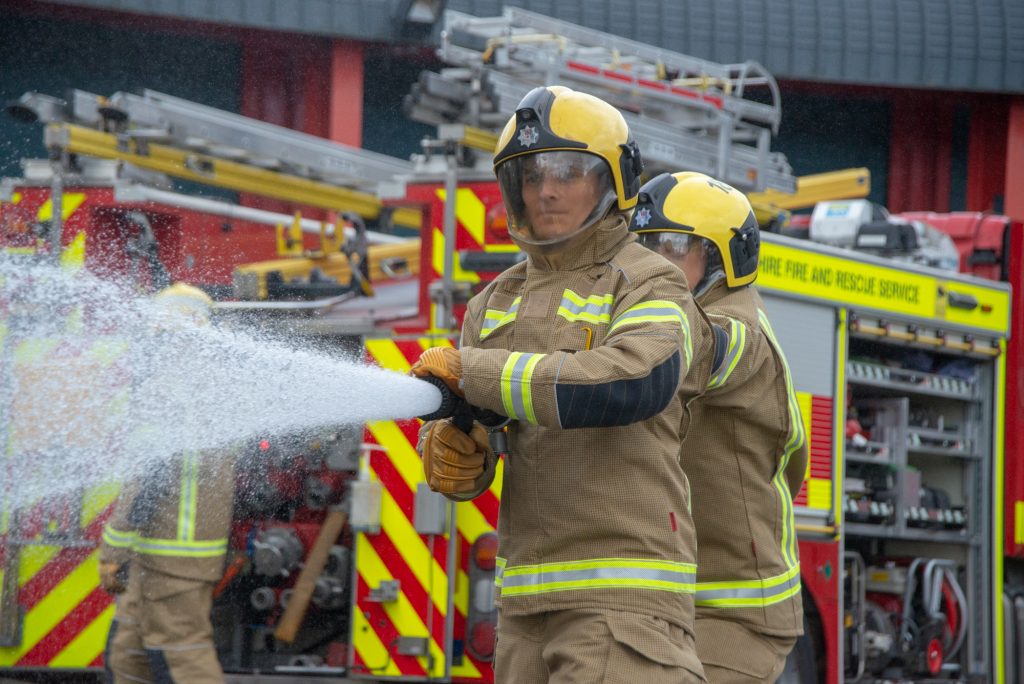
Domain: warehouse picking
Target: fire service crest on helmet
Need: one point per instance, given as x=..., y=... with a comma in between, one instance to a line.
x=528, y=136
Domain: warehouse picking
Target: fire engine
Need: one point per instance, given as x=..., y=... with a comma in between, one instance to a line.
x=346, y=567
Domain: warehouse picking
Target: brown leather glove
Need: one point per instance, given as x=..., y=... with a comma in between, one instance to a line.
x=444, y=363
x=113, y=577
x=455, y=463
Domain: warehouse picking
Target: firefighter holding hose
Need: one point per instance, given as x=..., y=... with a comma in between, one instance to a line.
x=592, y=348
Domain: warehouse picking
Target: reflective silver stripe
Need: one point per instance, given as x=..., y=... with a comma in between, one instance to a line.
x=602, y=573
x=188, y=496
x=594, y=309
x=173, y=547
x=495, y=318
x=749, y=593
x=657, y=311
x=737, y=340
x=118, y=539
x=516, y=392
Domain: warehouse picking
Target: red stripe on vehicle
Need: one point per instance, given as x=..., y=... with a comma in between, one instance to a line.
x=379, y=619
x=61, y=565
x=415, y=592
x=47, y=648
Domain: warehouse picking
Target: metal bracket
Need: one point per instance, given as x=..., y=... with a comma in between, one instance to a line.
x=385, y=592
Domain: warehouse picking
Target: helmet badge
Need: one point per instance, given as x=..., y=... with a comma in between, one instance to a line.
x=643, y=217
x=528, y=136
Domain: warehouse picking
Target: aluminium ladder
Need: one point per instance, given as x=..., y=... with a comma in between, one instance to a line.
x=685, y=113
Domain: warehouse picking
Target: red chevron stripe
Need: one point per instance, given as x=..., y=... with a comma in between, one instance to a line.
x=415, y=592
x=487, y=503
x=393, y=481
x=67, y=629
x=61, y=565
x=382, y=625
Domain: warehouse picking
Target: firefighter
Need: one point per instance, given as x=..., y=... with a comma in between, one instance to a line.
x=746, y=452
x=164, y=547
x=582, y=347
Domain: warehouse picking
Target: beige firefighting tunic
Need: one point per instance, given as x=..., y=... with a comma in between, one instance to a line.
x=746, y=462
x=176, y=517
x=172, y=524
x=585, y=353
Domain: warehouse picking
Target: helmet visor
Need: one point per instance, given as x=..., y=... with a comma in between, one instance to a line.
x=553, y=196
x=668, y=244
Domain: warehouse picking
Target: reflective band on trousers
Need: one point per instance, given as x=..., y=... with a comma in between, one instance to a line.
x=495, y=318
x=596, y=573
x=595, y=309
x=516, y=393
x=737, y=340
x=656, y=311
x=749, y=593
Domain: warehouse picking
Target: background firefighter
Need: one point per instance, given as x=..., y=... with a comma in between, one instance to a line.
x=582, y=347
x=164, y=547
x=746, y=452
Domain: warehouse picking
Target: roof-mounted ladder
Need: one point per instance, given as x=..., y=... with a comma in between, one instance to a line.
x=685, y=113
x=194, y=142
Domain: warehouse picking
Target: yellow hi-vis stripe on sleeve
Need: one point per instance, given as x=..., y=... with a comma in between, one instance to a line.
x=749, y=593
x=598, y=573
x=595, y=309
x=656, y=311
x=737, y=340
x=796, y=440
x=516, y=393
x=495, y=318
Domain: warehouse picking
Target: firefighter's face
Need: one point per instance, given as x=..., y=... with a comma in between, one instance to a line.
x=685, y=251
x=558, y=198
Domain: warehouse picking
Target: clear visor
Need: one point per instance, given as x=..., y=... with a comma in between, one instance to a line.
x=671, y=245
x=553, y=196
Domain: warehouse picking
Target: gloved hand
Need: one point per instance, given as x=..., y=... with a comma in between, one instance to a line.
x=113, y=577
x=455, y=463
x=444, y=363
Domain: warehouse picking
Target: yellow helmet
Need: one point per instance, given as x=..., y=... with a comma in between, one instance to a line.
x=185, y=301
x=565, y=135
x=672, y=207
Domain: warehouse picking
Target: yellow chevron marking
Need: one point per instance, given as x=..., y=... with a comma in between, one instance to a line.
x=34, y=350
x=97, y=499
x=437, y=341
x=52, y=610
x=469, y=211
x=73, y=256
x=405, y=618
x=438, y=261
x=471, y=522
x=33, y=558
x=15, y=197
x=402, y=454
x=414, y=551
x=819, y=493
x=364, y=639
x=1018, y=527
x=499, y=476
x=385, y=352
x=89, y=643
x=71, y=202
